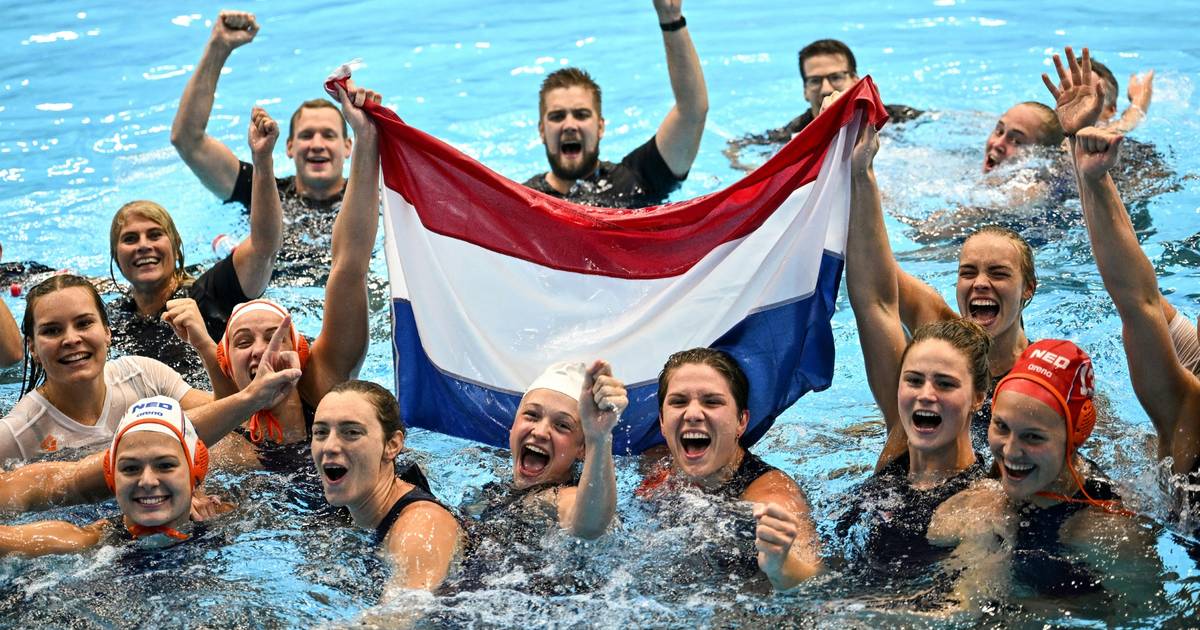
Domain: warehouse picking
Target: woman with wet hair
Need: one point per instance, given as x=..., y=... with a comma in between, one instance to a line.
x=703, y=397
x=73, y=396
x=1049, y=515
x=147, y=248
x=356, y=437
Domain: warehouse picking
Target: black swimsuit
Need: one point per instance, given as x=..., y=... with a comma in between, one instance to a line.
x=896, y=517
x=1039, y=555
x=420, y=492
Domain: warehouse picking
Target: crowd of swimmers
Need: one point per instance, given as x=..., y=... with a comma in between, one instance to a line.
x=187, y=372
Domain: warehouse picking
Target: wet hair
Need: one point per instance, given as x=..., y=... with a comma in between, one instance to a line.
x=32, y=372
x=965, y=336
x=566, y=78
x=316, y=103
x=827, y=47
x=719, y=360
x=1111, y=87
x=387, y=410
x=1028, y=271
x=151, y=212
x=1051, y=132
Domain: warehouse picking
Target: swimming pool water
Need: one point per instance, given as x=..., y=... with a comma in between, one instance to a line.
x=88, y=92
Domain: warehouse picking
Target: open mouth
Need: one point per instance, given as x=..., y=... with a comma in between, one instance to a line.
x=318, y=159
x=983, y=310
x=146, y=261
x=1017, y=472
x=989, y=163
x=695, y=443
x=333, y=472
x=151, y=501
x=926, y=420
x=534, y=460
x=571, y=148
x=76, y=357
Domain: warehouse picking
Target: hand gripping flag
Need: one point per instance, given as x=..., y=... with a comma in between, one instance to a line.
x=491, y=281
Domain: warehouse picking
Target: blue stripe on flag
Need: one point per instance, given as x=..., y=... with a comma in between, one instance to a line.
x=786, y=350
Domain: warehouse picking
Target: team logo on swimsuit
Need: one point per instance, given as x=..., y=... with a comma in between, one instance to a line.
x=50, y=444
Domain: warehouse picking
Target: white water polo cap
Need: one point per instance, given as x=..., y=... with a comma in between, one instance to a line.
x=160, y=414
x=564, y=377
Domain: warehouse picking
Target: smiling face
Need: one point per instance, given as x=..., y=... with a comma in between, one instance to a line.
x=249, y=337
x=1018, y=128
x=546, y=438
x=152, y=481
x=1028, y=440
x=571, y=128
x=349, y=449
x=145, y=253
x=936, y=395
x=991, y=287
x=70, y=340
x=700, y=421
x=318, y=147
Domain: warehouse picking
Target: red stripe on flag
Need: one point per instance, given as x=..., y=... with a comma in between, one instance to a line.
x=456, y=196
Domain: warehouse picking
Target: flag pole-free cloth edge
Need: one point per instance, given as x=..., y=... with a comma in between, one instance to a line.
x=492, y=281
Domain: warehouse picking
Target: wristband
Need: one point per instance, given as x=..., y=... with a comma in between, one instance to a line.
x=673, y=26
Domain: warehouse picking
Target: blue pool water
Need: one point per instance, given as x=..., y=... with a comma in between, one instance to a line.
x=87, y=95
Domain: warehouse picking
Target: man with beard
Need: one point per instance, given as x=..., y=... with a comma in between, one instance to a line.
x=317, y=142
x=571, y=126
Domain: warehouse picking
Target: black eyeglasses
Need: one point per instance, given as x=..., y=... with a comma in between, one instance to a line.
x=837, y=79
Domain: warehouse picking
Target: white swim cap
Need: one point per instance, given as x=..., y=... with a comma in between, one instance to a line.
x=564, y=377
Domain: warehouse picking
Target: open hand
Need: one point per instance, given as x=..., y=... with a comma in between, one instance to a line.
x=234, y=28
x=1141, y=88
x=1078, y=98
x=601, y=402
x=264, y=131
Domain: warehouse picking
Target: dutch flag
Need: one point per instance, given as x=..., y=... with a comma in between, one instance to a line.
x=491, y=282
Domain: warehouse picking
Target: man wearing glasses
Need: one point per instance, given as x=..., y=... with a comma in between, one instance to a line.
x=826, y=66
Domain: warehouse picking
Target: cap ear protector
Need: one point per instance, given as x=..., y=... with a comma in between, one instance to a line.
x=263, y=424
x=1059, y=374
x=165, y=416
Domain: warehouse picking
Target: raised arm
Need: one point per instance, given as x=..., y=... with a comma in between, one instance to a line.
x=678, y=137
x=339, y=349
x=872, y=280
x=1169, y=393
x=254, y=258
x=1141, y=88
x=786, y=539
x=212, y=162
x=587, y=510
x=1078, y=100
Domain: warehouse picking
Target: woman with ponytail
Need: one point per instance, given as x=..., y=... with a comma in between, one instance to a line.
x=73, y=395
